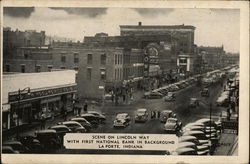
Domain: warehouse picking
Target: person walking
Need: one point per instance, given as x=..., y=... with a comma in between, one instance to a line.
x=43, y=121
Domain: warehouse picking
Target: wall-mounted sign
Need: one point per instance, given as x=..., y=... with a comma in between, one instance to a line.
x=13, y=96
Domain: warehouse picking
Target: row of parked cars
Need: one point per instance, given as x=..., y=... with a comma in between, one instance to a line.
x=51, y=139
x=168, y=91
x=198, y=138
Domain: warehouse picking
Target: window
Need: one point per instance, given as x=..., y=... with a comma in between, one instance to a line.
x=115, y=74
x=103, y=74
x=7, y=68
x=76, y=58
x=63, y=58
x=38, y=68
x=118, y=58
x=89, y=73
x=50, y=68
x=89, y=60
x=62, y=67
x=25, y=56
x=103, y=59
x=115, y=59
x=23, y=68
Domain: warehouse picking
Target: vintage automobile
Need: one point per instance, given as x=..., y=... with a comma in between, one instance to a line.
x=185, y=151
x=153, y=95
x=205, y=92
x=9, y=150
x=172, y=125
x=49, y=139
x=201, y=150
x=199, y=135
x=32, y=143
x=170, y=97
x=94, y=120
x=121, y=120
x=165, y=114
x=141, y=115
x=74, y=126
x=83, y=122
x=194, y=102
x=17, y=146
x=61, y=129
x=101, y=116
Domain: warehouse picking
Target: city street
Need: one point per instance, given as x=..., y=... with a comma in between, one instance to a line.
x=153, y=126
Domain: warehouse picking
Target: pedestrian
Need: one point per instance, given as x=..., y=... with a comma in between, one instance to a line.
x=152, y=114
x=85, y=108
x=228, y=114
x=112, y=97
x=79, y=110
x=43, y=121
x=159, y=114
x=116, y=99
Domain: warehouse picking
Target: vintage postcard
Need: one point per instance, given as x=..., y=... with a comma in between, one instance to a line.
x=124, y=82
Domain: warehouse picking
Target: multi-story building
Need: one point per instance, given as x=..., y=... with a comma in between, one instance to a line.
x=230, y=58
x=185, y=41
x=29, y=60
x=211, y=57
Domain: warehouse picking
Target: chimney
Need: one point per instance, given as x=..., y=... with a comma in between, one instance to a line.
x=139, y=23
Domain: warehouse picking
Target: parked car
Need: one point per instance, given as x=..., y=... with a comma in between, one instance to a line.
x=194, y=102
x=49, y=139
x=9, y=150
x=32, y=143
x=172, y=125
x=153, y=95
x=83, y=122
x=170, y=97
x=122, y=120
x=94, y=120
x=61, y=129
x=165, y=114
x=74, y=126
x=185, y=151
x=141, y=115
x=205, y=92
x=17, y=146
x=199, y=135
x=101, y=117
x=201, y=150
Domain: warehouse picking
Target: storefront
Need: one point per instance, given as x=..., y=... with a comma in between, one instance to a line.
x=48, y=101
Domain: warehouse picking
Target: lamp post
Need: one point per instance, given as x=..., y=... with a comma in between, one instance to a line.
x=19, y=99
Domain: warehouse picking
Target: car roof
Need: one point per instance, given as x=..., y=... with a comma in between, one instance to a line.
x=193, y=98
x=70, y=122
x=46, y=131
x=193, y=132
x=11, y=142
x=122, y=114
x=58, y=126
x=92, y=111
x=7, y=148
x=141, y=110
x=184, y=144
x=166, y=111
x=184, y=149
x=175, y=119
x=77, y=118
x=87, y=114
x=194, y=124
x=203, y=120
x=186, y=137
x=194, y=127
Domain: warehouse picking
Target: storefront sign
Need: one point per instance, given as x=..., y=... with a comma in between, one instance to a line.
x=13, y=96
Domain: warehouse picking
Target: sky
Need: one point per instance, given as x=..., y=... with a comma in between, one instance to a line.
x=214, y=27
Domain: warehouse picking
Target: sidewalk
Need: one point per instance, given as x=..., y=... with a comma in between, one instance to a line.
x=228, y=144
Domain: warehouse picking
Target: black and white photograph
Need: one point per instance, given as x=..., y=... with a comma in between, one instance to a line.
x=87, y=80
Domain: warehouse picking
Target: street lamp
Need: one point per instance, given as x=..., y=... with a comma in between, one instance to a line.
x=19, y=99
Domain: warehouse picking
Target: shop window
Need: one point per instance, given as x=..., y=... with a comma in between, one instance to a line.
x=103, y=74
x=103, y=59
x=76, y=58
x=89, y=60
x=38, y=68
x=89, y=71
x=23, y=68
x=63, y=58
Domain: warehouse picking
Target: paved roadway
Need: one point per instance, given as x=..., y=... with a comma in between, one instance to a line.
x=180, y=107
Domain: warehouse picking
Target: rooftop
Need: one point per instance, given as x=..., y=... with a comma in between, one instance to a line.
x=159, y=26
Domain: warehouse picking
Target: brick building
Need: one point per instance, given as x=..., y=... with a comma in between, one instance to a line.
x=212, y=57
